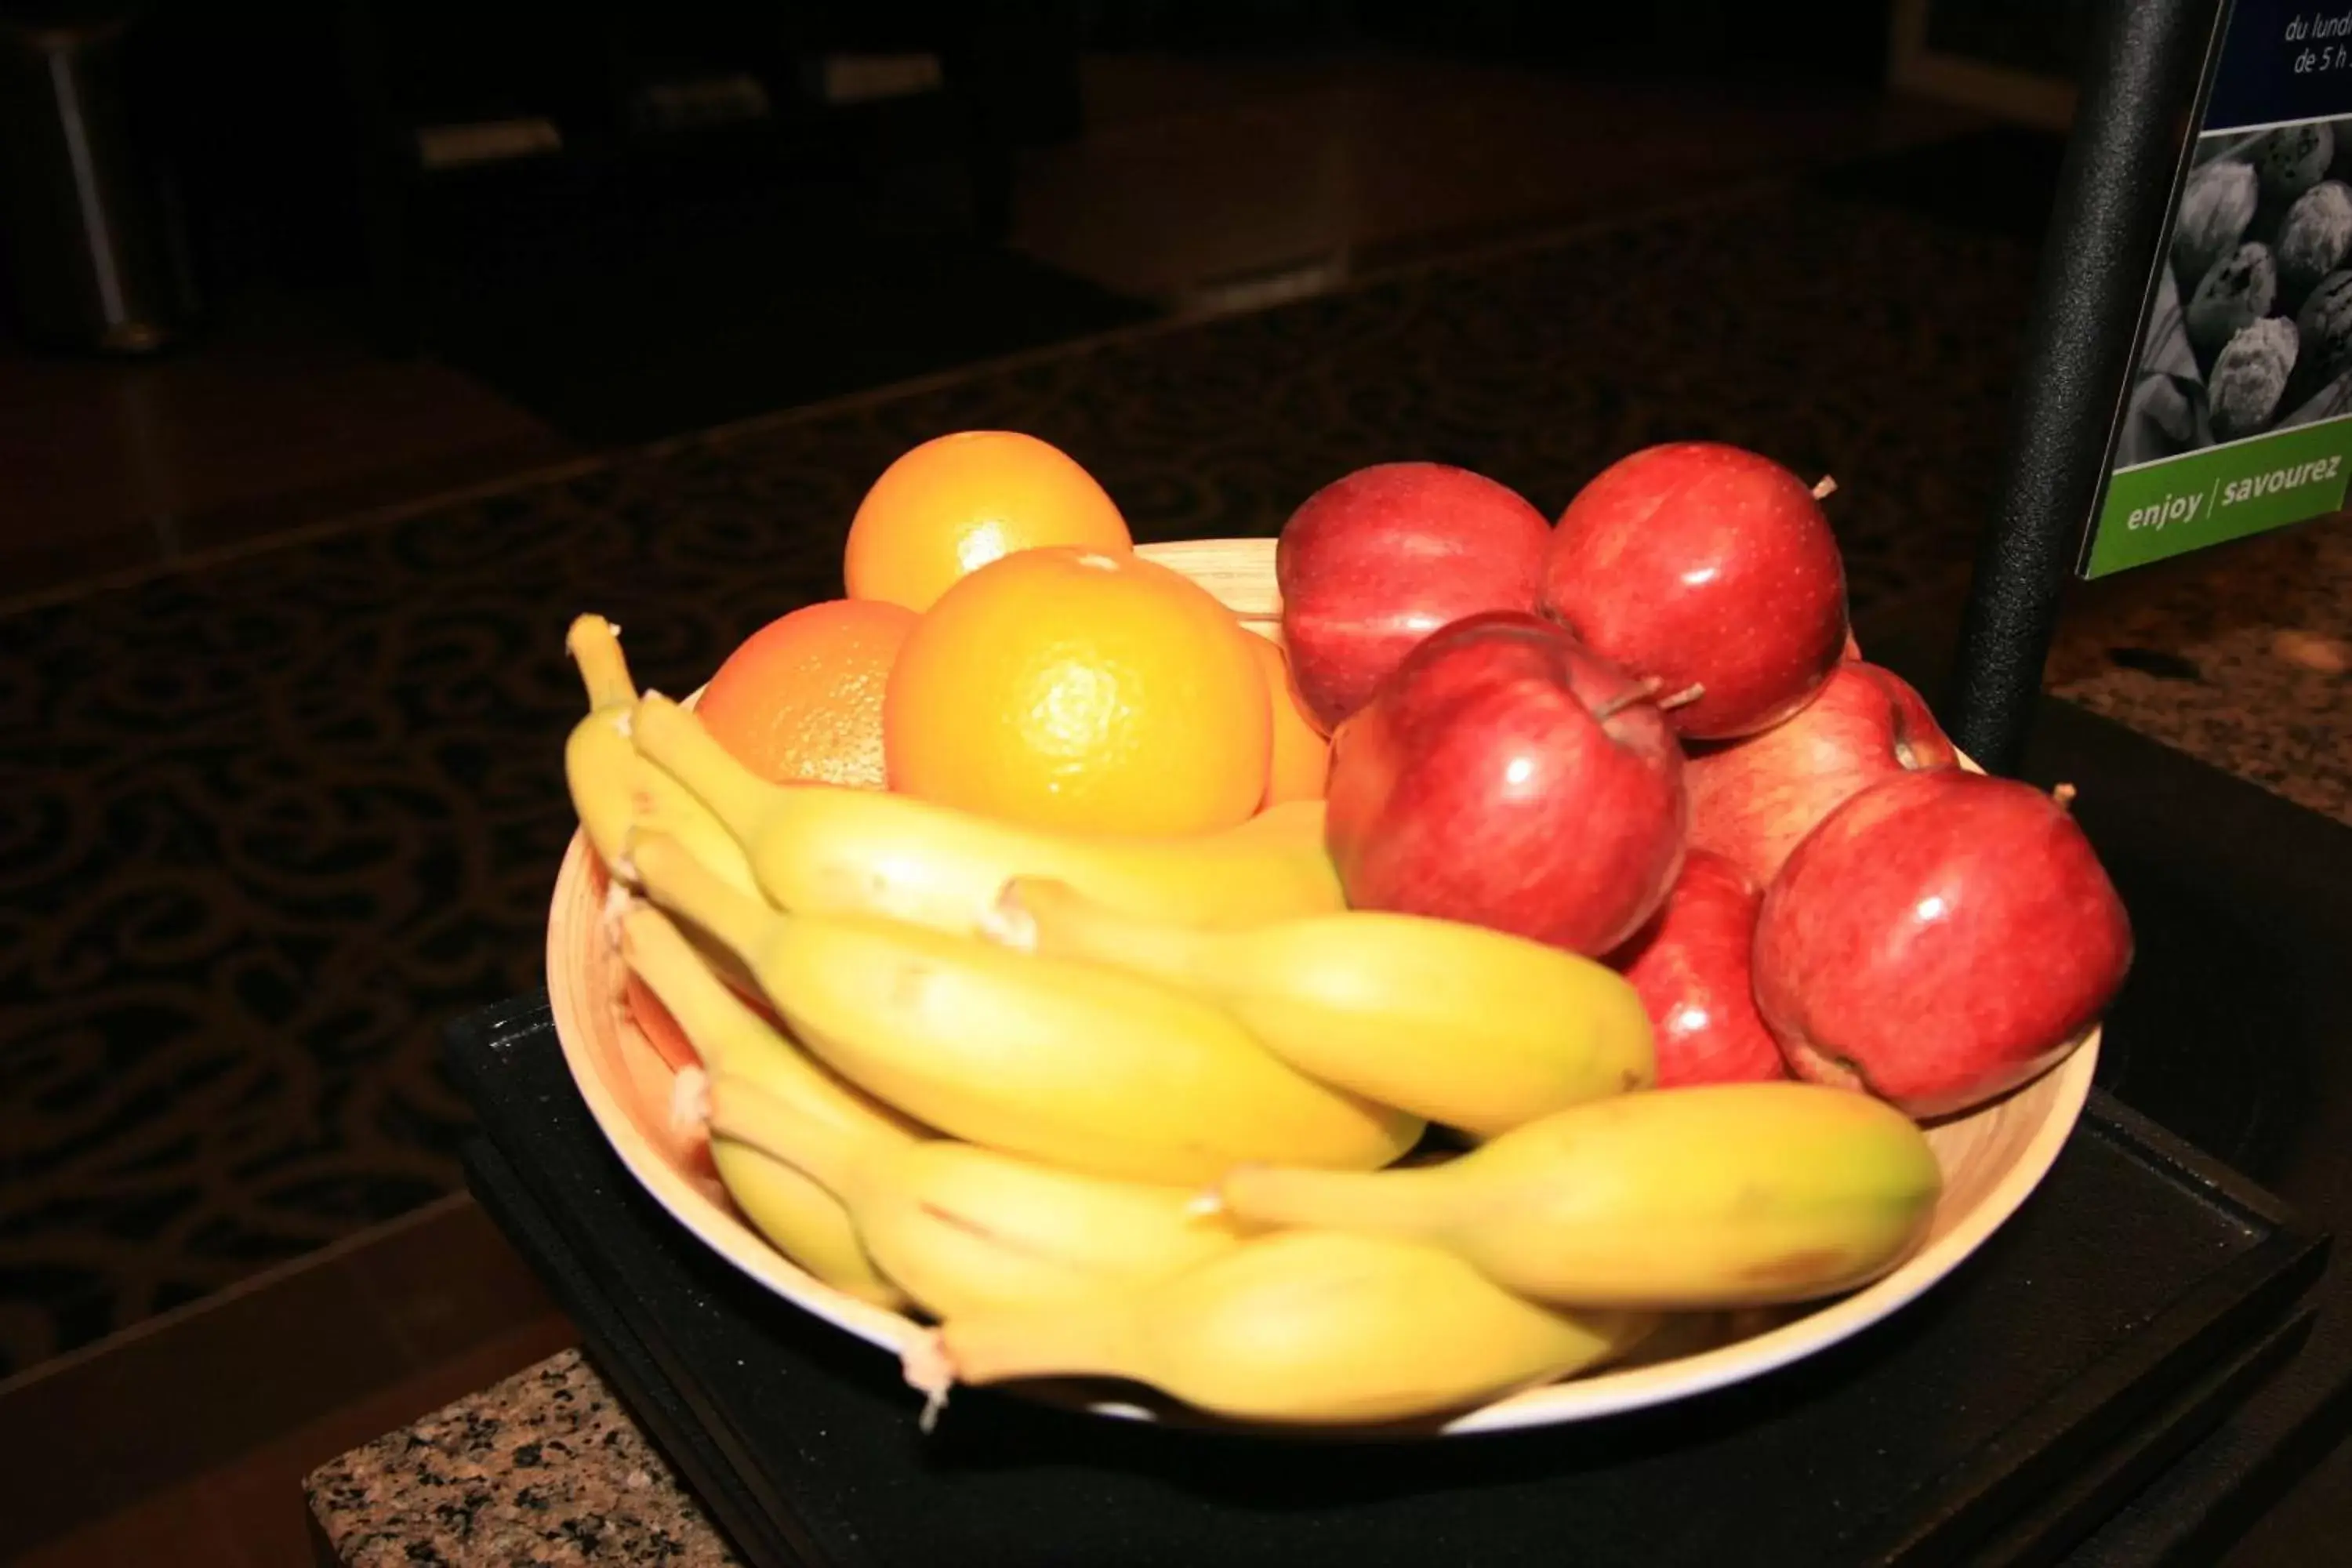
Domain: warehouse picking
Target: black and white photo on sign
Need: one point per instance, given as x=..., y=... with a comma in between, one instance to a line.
x=2251, y=330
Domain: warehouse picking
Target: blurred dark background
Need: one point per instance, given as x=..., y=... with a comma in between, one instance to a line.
x=623, y=221
x=313, y=145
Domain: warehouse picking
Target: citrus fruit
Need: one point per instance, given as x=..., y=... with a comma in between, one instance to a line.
x=1300, y=756
x=1076, y=688
x=953, y=504
x=801, y=701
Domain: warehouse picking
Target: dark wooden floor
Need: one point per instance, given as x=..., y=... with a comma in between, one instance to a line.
x=186, y=1440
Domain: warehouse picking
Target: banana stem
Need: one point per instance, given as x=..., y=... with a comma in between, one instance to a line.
x=594, y=644
x=742, y=1113
x=724, y=1032
x=671, y=876
x=674, y=740
x=1046, y=916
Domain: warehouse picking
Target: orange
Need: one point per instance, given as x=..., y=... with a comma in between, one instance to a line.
x=1081, y=690
x=801, y=701
x=1300, y=757
x=952, y=505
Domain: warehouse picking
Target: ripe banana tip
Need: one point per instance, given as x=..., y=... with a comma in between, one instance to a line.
x=1008, y=923
x=689, y=1100
x=620, y=898
x=925, y=1364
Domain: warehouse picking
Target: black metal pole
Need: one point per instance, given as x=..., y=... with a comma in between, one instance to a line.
x=2115, y=191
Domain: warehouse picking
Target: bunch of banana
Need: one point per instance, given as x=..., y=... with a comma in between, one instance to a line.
x=1716, y=1195
x=1467, y=1026
x=1301, y=1326
x=613, y=788
x=966, y=1229
x=1120, y=1108
x=1068, y=1062
x=804, y=1220
x=820, y=850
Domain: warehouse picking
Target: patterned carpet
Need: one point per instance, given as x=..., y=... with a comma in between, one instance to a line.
x=271, y=822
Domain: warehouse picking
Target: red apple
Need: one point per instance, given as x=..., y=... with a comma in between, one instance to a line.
x=1751, y=800
x=1710, y=568
x=1373, y=563
x=1507, y=776
x=1938, y=940
x=1690, y=965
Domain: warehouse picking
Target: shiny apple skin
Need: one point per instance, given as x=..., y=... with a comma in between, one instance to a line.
x=1690, y=965
x=1478, y=785
x=1706, y=566
x=1939, y=939
x=1373, y=563
x=1752, y=799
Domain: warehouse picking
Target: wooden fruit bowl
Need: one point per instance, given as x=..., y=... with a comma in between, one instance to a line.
x=1992, y=1158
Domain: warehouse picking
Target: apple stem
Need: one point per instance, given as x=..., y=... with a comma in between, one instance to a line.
x=1826, y=489
x=1640, y=691
x=2065, y=796
x=1683, y=698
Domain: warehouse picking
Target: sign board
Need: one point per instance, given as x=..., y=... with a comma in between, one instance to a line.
x=2238, y=416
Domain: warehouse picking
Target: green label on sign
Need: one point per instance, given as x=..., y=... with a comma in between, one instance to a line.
x=2185, y=503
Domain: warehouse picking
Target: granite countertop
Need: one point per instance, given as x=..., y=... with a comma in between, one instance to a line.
x=2242, y=658
x=543, y=1469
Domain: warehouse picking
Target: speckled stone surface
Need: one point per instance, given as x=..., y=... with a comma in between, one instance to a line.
x=2242, y=658
x=542, y=1469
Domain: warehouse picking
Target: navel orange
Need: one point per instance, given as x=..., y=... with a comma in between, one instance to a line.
x=1082, y=690
x=801, y=700
x=955, y=503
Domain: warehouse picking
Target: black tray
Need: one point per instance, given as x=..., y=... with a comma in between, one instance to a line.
x=2234, y=1031
x=2133, y=1299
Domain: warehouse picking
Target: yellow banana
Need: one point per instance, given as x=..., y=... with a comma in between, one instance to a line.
x=730, y=1037
x=1467, y=1026
x=822, y=850
x=803, y=1219
x=1303, y=1326
x=1718, y=1195
x=613, y=787
x=1075, y=1064
x=961, y=1228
